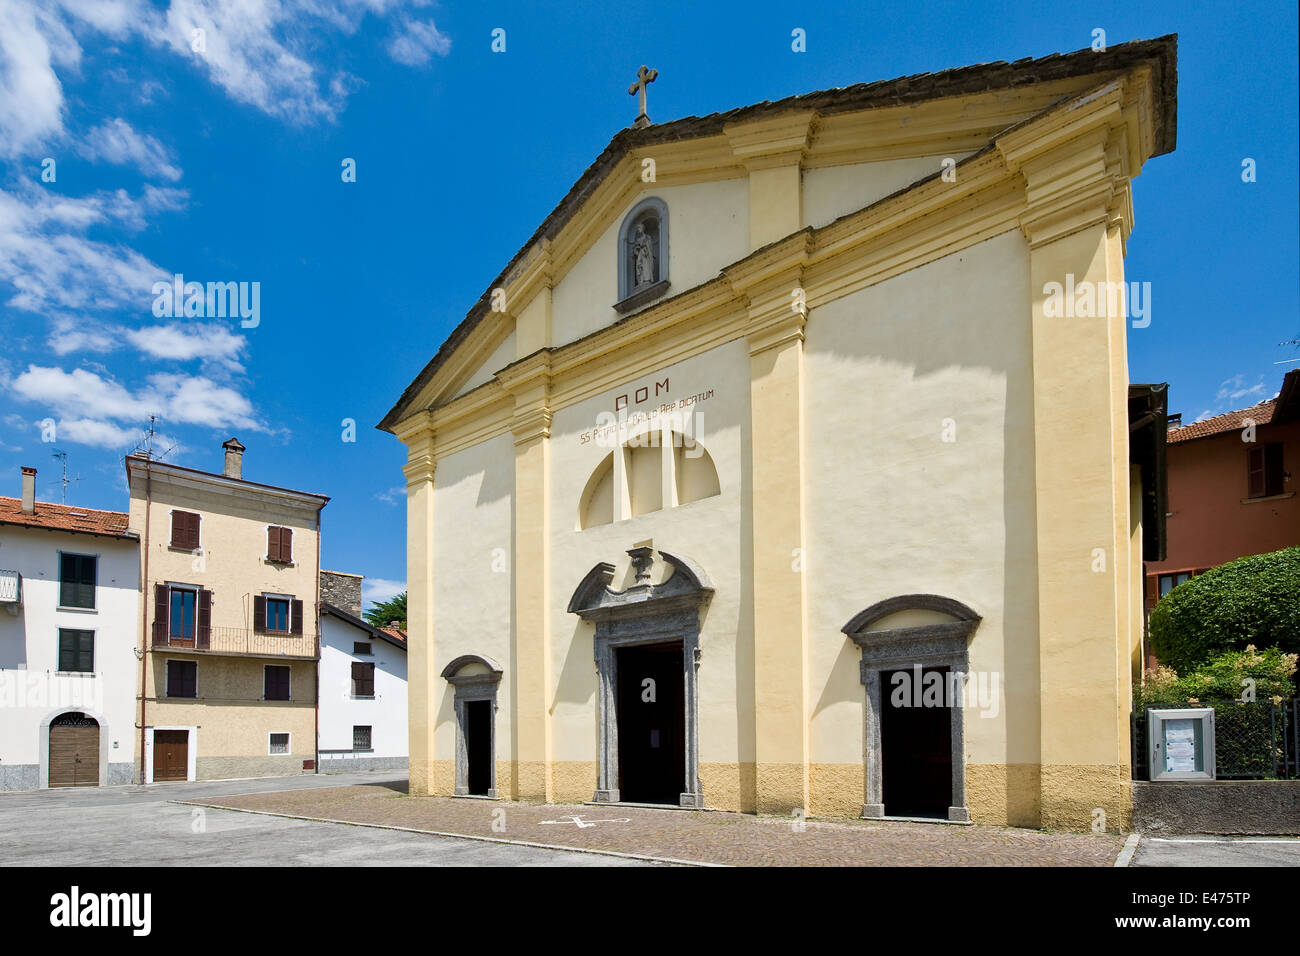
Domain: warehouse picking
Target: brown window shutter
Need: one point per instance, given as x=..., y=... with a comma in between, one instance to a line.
x=273, y=543
x=160, y=596
x=1153, y=590
x=178, y=529
x=194, y=530
x=259, y=614
x=286, y=545
x=358, y=670
x=203, y=628
x=295, y=617
x=1255, y=473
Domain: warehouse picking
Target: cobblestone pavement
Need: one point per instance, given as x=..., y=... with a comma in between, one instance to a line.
x=704, y=837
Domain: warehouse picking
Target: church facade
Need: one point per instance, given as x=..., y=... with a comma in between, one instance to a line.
x=771, y=475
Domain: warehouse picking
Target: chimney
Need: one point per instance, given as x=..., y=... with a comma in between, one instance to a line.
x=29, y=490
x=234, y=459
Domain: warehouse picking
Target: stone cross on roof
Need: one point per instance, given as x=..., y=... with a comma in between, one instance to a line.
x=644, y=76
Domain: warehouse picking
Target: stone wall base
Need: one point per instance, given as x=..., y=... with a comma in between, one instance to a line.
x=1229, y=807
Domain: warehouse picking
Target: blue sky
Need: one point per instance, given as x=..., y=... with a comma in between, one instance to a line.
x=224, y=165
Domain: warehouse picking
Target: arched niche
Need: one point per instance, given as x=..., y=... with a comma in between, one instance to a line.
x=643, y=254
x=913, y=631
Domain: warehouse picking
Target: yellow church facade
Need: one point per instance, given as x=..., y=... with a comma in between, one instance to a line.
x=770, y=476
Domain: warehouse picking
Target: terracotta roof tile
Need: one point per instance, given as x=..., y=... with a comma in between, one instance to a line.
x=1260, y=414
x=395, y=633
x=65, y=518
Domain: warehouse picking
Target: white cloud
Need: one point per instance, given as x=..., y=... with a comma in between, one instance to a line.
x=417, y=42
x=116, y=141
x=214, y=343
x=393, y=496
x=52, y=265
x=32, y=43
x=178, y=399
x=89, y=431
x=374, y=590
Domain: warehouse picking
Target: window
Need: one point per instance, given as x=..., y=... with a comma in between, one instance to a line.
x=185, y=530
x=279, y=544
x=363, y=679
x=361, y=738
x=279, y=743
x=1264, y=473
x=77, y=580
x=76, y=650
x=277, y=614
x=1170, y=581
x=182, y=679
x=275, y=683
x=184, y=602
x=361, y=647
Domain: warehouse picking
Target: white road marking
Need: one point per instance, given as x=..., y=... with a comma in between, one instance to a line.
x=584, y=824
x=1130, y=847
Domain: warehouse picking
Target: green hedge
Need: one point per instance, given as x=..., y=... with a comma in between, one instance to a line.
x=1254, y=600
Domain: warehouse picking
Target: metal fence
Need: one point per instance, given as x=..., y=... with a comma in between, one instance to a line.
x=1255, y=740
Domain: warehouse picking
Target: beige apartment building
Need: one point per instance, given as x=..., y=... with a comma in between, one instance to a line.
x=230, y=639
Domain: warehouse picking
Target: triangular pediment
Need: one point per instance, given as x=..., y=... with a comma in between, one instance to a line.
x=952, y=113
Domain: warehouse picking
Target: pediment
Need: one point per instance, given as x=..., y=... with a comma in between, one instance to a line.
x=950, y=113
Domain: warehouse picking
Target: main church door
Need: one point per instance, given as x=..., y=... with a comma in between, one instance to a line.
x=651, y=724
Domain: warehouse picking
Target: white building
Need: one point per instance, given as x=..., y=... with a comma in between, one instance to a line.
x=69, y=580
x=362, y=684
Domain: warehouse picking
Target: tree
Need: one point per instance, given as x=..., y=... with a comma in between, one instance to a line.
x=1253, y=600
x=388, y=613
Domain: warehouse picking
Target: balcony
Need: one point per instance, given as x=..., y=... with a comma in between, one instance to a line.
x=237, y=642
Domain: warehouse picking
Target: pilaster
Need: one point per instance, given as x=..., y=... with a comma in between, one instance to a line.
x=529, y=381
x=422, y=680
x=1077, y=199
x=779, y=559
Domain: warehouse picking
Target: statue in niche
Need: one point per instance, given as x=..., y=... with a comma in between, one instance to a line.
x=643, y=257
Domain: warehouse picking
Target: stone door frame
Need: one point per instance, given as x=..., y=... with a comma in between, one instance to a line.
x=930, y=645
x=474, y=687
x=644, y=614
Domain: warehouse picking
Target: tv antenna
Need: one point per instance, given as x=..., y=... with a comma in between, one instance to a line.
x=64, y=479
x=145, y=446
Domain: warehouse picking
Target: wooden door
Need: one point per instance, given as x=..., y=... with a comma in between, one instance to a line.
x=171, y=754
x=74, y=751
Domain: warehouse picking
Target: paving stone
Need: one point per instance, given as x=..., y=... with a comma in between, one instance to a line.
x=699, y=836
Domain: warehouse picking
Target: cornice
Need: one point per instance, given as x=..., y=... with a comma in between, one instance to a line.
x=775, y=141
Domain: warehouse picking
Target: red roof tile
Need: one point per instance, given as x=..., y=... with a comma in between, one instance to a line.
x=1260, y=414
x=65, y=518
x=395, y=633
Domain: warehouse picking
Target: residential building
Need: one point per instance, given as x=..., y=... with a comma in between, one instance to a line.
x=229, y=621
x=69, y=582
x=363, y=707
x=1232, y=488
x=782, y=410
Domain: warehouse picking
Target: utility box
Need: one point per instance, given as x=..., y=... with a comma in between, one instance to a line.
x=1180, y=744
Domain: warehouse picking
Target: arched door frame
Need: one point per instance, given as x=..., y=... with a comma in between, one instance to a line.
x=929, y=645
x=474, y=687
x=44, y=744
